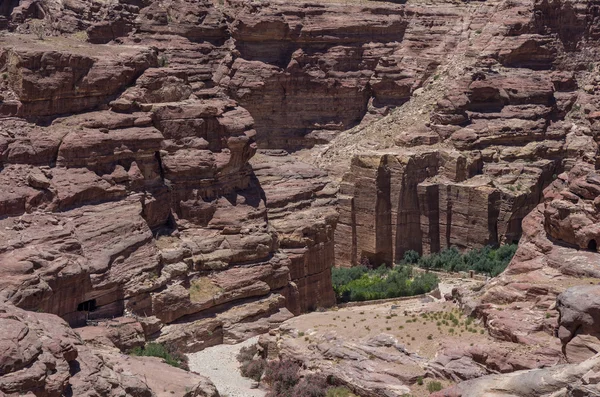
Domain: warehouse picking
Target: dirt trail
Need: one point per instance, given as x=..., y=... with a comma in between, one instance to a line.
x=219, y=363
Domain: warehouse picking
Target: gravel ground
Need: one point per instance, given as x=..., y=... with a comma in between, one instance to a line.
x=220, y=365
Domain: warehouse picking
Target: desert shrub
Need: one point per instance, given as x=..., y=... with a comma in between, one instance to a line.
x=311, y=386
x=434, y=386
x=278, y=389
x=284, y=373
x=283, y=379
x=247, y=353
x=366, y=262
x=168, y=354
x=38, y=29
x=253, y=369
x=163, y=61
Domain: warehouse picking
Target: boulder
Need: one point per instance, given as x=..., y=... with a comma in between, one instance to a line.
x=578, y=321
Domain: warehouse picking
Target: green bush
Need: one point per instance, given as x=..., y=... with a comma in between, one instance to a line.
x=410, y=258
x=434, y=386
x=158, y=350
x=360, y=283
x=344, y=275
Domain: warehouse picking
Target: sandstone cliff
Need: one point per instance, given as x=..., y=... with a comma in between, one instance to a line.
x=129, y=133
x=505, y=118
x=130, y=190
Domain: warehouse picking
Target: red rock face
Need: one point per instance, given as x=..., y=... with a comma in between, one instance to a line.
x=514, y=156
x=550, y=272
x=431, y=200
x=500, y=135
x=305, y=73
x=128, y=141
x=130, y=190
x=156, y=147
x=297, y=192
x=48, y=82
x=47, y=357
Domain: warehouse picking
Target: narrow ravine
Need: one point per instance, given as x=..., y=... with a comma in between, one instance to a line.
x=219, y=363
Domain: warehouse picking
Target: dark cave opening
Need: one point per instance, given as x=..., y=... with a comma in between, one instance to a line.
x=593, y=246
x=87, y=306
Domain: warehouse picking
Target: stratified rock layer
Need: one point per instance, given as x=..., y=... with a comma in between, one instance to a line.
x=507, y=122
x=301, y=206
x=127, y=133
x=131, y=191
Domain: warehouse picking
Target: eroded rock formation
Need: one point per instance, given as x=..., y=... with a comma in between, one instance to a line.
x=494, y=140
x=131, y=190
x=44, y=356
x=129, y=134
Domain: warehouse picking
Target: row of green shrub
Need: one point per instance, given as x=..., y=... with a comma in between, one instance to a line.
x=486, y=260
x=361, y=283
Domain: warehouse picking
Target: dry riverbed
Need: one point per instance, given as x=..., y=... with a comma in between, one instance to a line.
x=219, y=363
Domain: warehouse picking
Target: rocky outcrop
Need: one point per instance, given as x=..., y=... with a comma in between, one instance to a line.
x=520, y=305
x=370, y=367
x=148, y=208
x=301, y=71
x=122, y=333
x=29, y=356
x=44, y=81
x=44, y=356
x=572, y=217
x=577, y=324
x=398, y=348
x=571, y=380
x=557, y=249
x=306, y=72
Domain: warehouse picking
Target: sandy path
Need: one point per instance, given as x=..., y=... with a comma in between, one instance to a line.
x=219, y=363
